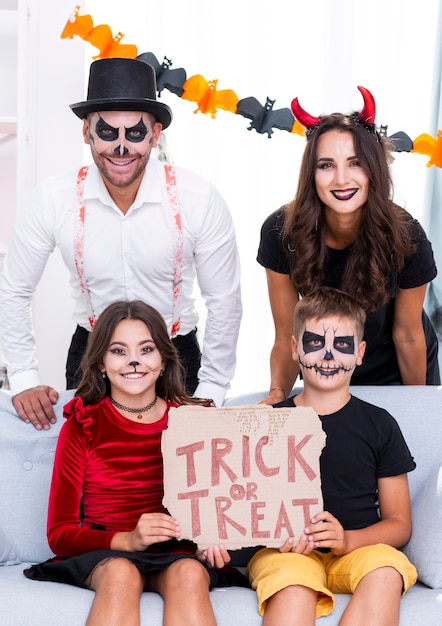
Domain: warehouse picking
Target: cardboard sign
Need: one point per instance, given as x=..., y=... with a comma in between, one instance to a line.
x=242, y=476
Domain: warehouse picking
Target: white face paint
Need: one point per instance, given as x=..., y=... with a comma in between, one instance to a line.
x=329, y=349
x=121, y=143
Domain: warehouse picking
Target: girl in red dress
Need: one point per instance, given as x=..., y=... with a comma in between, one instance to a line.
x=106, y=521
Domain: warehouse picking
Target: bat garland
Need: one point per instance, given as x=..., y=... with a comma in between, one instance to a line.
x=99, y=36
x=205, y=93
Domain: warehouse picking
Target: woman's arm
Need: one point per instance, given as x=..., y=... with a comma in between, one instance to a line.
x=283, y=370
x=408, y=335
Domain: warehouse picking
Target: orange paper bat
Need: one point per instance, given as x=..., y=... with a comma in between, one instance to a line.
x=99, y=36
x=298, y=129
x=426, y=144
x=80, y=25
x=198, y=89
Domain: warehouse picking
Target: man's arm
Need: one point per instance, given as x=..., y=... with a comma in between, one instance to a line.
x=24, y=264
x=218, y=273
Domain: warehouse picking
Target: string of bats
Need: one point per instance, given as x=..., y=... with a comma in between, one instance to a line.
x=209, y=99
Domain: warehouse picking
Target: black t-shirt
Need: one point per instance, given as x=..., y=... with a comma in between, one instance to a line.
x=364, y=443
x=380, y=366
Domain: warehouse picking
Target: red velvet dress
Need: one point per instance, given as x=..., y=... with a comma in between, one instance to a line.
x=108, y=470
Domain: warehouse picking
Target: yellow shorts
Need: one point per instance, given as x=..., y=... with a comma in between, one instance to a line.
x=270, y=571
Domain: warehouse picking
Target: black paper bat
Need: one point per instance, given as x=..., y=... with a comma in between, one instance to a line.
x=173, y=80
x=264, y=118
x=399, y=141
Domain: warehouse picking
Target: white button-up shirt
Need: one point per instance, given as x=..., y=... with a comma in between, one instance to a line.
x=127, y=257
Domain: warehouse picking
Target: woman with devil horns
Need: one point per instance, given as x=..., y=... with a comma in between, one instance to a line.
x=343, y=230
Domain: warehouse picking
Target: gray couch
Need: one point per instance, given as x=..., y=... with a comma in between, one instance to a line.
x=25, y=469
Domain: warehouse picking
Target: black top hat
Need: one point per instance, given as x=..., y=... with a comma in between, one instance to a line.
x=122, y=85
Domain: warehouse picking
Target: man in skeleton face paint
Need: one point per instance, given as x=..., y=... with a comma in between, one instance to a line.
x=129, y=227
x=121, y=143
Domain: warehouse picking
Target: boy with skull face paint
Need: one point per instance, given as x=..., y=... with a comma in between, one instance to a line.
x=350, y=547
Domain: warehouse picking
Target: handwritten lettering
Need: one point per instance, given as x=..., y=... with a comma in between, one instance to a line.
x=260, y=515
x=223, y=447
x=189, y=452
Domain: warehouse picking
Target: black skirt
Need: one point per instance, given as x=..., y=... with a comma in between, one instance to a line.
x=75, y=570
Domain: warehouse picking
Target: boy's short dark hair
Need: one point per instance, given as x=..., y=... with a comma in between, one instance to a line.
x=328, y=301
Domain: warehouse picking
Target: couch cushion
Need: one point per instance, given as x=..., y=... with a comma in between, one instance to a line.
x=27, y=602
x=25, y=476
x=425, y=546
x=33, y=603
x=8, y=552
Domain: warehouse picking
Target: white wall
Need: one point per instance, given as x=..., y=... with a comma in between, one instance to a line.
x=319, y=51
x=8, y=108
x=53, y=144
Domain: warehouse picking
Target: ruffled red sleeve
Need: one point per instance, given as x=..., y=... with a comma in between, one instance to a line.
x=75, y=409
x=65, y=536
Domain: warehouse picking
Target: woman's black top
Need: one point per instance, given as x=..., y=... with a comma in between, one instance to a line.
x=380, y=365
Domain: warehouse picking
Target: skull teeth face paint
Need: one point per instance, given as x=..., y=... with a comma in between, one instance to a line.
x=328, y=348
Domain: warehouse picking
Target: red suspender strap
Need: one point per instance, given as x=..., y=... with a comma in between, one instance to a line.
x=79, y=246
x=177, y=233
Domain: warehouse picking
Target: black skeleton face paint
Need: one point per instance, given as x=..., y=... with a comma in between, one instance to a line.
x=327, y=349
x=122, y=135
x=121, y=143
x=311, y=342
x=134, y=134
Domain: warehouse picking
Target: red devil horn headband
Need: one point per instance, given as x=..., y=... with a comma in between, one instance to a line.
x=366, y=117
x=368, y=113
x=304, y=118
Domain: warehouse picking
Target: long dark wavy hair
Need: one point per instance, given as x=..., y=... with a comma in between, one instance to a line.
x=93, y=387
x=383, y=241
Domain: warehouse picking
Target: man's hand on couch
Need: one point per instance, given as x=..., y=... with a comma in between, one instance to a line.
x=35, y=406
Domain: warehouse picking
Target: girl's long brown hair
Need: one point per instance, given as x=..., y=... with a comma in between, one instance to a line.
x=93, y=387
x=383, y=242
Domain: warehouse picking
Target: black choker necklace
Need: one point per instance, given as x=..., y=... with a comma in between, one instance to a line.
x=129, y=409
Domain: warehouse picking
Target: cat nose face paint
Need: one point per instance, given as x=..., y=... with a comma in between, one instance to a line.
x=328, y=349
